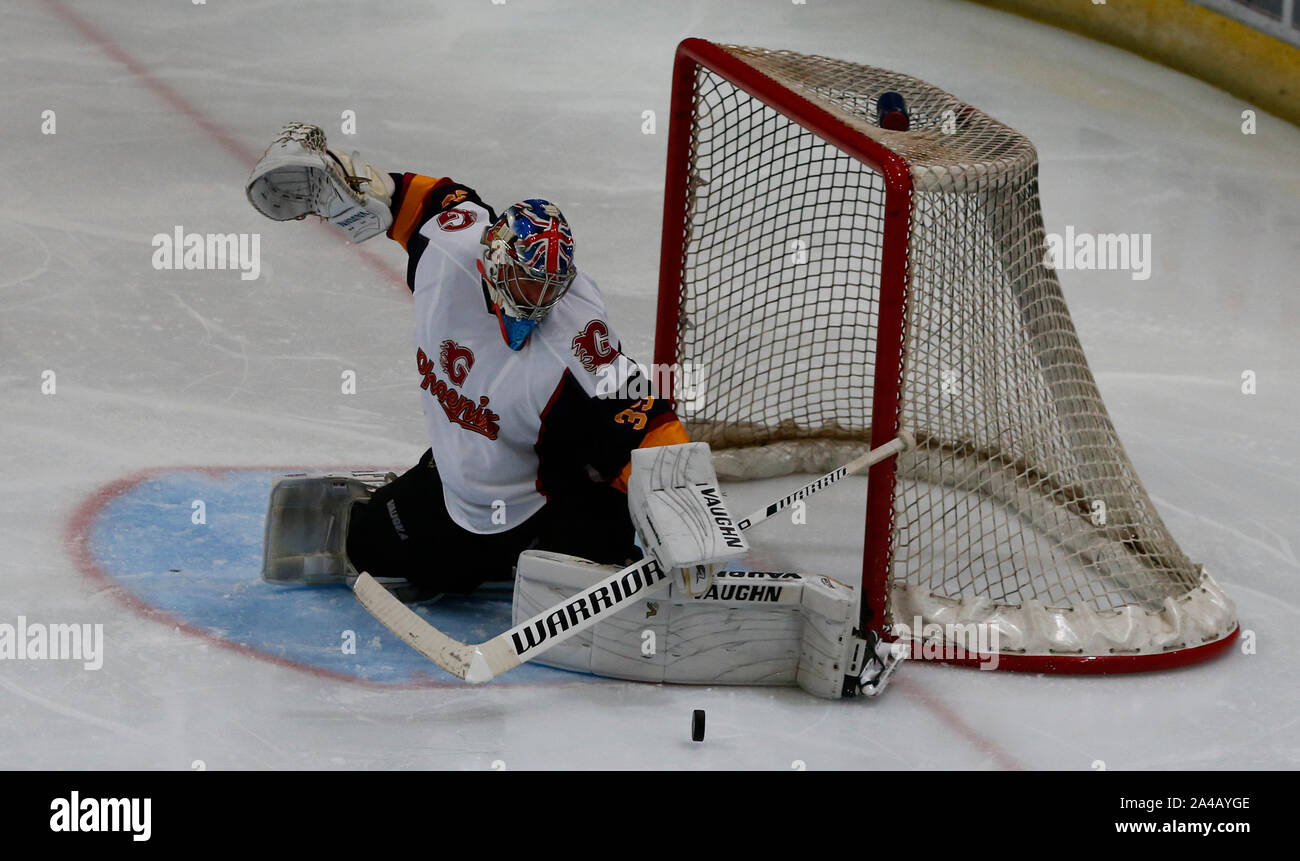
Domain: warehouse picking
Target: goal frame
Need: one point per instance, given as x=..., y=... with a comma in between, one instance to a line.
x=889, y=359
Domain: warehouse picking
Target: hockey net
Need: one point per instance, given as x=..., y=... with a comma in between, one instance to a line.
x=825, y=282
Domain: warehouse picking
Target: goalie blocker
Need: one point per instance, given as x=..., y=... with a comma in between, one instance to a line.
x=674, y=499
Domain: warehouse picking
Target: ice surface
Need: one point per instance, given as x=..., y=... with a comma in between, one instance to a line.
x=160, y=111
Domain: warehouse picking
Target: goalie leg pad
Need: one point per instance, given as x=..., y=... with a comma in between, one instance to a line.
x=748, y=628
x=307, y=528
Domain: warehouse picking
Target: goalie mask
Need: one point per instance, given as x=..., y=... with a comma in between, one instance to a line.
x=527, y=265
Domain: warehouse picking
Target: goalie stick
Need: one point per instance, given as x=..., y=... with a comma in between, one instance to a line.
x=483, y=662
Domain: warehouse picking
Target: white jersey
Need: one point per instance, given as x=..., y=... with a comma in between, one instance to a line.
x=485, y=405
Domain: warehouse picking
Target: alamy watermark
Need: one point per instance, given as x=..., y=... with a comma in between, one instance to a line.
x=74, y=813
x=181, y=250
x=972, y=641
x=1125, y=252
x=36, y=641
x=684, y=382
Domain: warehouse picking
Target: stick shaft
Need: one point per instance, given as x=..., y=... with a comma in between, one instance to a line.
x=858, y=464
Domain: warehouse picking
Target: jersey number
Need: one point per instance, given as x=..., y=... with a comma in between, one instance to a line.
x=635, y=415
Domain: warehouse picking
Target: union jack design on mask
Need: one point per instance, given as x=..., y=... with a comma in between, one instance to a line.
x=544, y=242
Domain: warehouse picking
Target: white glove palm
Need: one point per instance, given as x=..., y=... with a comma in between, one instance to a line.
x=298, y=176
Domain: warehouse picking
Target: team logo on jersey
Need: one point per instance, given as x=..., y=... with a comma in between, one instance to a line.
x=459, y=409
x=455, y=197
x=455, y=361
x=455, y=219
x=592, y=346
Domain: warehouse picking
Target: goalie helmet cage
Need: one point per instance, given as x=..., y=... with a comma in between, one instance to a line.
x=825, y=282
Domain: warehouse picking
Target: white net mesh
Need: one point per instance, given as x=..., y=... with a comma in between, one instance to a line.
x=1020, y=498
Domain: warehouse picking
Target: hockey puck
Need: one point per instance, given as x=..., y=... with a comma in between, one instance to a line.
x=697, y=725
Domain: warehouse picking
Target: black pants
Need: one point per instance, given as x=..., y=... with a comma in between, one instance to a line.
x=405, y=531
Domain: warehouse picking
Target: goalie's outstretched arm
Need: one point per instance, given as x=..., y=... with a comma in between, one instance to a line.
x=301, y=175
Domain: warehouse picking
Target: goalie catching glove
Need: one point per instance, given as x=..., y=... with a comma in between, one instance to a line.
x=674, y=500
x=299, y=176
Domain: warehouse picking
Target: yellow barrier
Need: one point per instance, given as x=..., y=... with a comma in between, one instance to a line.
x=1192, y=39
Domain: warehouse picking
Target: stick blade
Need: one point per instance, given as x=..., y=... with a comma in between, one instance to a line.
x=459, y=659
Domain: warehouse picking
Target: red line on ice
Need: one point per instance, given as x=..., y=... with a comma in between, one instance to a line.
x=949, y=716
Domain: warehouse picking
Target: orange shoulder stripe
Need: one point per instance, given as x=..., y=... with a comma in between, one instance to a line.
x=414, y=195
